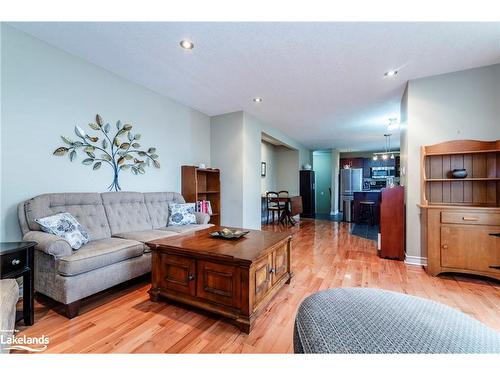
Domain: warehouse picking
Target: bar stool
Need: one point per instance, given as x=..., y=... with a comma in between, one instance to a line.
x=366, y=208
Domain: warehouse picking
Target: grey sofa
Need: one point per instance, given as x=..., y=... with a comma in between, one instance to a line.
x=118, y=224
x=9, y=294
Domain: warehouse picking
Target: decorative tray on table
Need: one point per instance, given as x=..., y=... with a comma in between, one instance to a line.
x=229, y=234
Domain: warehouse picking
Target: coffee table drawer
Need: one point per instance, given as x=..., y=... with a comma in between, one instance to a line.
x=219, y=283
x=178, y=274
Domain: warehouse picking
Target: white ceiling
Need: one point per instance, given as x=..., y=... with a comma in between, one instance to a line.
x=322, y=83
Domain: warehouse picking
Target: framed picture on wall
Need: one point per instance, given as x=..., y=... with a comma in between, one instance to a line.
x=263, y=169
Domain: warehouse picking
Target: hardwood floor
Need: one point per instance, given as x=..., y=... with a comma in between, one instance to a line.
x=324, y=255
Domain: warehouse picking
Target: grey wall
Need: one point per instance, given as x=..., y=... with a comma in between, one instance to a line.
x=287, y=161
x=403, y=139
x=460, y=105
x=281, y=165
x=236, y=150
x=227, y=155
x=268, y=155
x=46, y=92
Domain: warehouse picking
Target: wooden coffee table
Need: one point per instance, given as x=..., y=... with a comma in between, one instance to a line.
x=232, y=278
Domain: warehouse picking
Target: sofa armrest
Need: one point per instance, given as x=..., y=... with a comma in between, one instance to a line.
x=49, y=243
x=202, y=218
x=9, y=294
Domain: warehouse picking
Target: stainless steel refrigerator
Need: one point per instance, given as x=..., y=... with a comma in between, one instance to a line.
x=351, y=180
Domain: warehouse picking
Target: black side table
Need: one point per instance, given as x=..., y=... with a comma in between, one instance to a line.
x=16, y=260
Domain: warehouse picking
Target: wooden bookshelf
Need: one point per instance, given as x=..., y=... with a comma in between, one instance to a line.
x=202, y=184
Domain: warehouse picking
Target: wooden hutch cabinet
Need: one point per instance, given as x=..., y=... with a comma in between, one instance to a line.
x=460, y=217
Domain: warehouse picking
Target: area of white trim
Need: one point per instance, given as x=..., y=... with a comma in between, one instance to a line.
x=415, y=261
x=334, y=212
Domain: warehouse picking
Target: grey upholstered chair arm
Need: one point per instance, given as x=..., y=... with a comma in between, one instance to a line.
x=202, y=218
x=49, y=243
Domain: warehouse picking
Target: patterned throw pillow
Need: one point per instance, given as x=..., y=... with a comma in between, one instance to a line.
x=65, y=226
x=181, y=214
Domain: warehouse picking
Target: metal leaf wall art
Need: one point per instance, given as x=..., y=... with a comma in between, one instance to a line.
x=121, y=151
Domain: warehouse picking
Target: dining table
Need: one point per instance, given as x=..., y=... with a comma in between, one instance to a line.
x=292, y=207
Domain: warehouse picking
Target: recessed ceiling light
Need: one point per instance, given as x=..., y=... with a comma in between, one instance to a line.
x=391, y=73
x=257, y=100
x=186, y=44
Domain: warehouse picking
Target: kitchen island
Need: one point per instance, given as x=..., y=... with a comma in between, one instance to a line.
x=368, y=195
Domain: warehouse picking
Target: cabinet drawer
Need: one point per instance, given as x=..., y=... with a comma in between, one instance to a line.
x=475, y=248
x=178, y=274
x=475, y=218
x=14, y=262
x=219, y=283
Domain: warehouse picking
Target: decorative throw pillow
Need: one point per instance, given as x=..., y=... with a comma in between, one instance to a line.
x=181, y=214
x=65, y=226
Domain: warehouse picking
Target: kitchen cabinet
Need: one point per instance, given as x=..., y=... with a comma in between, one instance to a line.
x=352, y=162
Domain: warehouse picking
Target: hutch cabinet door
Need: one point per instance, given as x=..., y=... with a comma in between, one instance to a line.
x=262, y=278
x=219, y=283
x=280, y=262
x=178, y=274
x=470, y=247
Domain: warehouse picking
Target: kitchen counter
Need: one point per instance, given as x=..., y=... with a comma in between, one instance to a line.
x=368, y=195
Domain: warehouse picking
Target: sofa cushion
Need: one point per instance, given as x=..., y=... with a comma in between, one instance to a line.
x=187, y=228
x=181, y=214
x=145, y=235
x=157, y=205
x=97, y=254
x=87, y=208
x=65, y=226
x=126, y=212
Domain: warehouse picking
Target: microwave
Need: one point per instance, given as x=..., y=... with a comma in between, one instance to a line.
x=382, y=172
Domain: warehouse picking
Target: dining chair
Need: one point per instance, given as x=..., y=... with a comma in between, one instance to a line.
x=272, y=204
x=283, y=194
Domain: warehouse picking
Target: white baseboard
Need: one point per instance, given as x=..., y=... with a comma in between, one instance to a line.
x=334, y=212
x=415, y=261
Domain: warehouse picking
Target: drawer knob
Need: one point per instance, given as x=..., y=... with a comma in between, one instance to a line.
x=272, y=270
x=15, y=262
x=190, y=277
x=495, y=234
x=444, y=246
x=470, y=218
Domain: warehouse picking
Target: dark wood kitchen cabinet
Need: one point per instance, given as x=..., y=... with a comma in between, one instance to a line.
x=352, y=162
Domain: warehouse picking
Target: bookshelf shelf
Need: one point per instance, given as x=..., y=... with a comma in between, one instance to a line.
x=481, y=160
x=463, y=179
x=202, y=184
